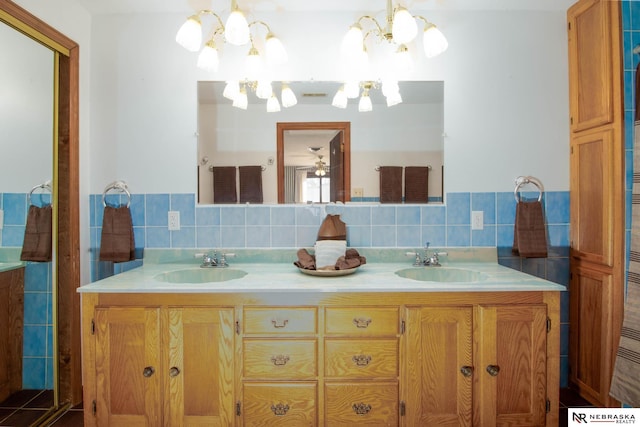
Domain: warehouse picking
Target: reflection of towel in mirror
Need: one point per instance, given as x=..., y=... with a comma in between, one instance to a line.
x=529, y=234
x=250, y=184
x=390, y=184
x=327, y=253
x=117, y=242
x=37, y=235
x=416, y=184
x=224, y=184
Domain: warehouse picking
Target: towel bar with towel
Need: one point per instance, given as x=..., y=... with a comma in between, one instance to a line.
x=523, y=180
x=116, y=185
x=37, y=244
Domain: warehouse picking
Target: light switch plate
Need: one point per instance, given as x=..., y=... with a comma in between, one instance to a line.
x=174, y=220
x=477, y=220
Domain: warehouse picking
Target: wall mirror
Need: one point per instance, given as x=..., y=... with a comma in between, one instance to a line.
x=407, y=134
x=58, y=149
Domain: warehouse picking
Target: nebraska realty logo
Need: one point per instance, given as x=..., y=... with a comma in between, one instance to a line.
x=582, y=416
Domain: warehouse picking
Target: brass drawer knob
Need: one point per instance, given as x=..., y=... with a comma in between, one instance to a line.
x=361, y=359
x=280, y=359
x=361, y=322
x=148, y=371
x=280, y=409
x=279, y=323
x=174, y=371
x=361, y=408
x=493, y=370
x=466, y=371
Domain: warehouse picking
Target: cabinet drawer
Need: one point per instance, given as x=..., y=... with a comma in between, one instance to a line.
x=279, y=359
x=282, y=404
x=350, y=404
x=280, y=320
x=361, y=358
x=362, y=321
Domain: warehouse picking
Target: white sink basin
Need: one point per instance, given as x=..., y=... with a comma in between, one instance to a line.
x=441, y=274
x=201, y=275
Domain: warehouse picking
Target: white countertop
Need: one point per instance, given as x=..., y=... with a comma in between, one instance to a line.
x=285, y=277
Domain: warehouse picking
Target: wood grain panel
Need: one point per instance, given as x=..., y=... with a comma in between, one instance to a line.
x=358, y=358
x=279, y=404
x=11, y=331
x=280, y=320
x=369, y=403
x=280, y=359
x=362, y=321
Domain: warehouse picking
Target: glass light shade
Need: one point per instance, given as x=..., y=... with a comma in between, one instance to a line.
x=352, y=41
x=253, y=64
x=288, y=97
x=236, y=30
x=264, y=90
x=352, y=89
x=404, y=27
x=231, y=90
x=320, y=172
x=241, y=100
x=189, y=35
x=393, y=98
x=273, y=105
x=433, y=41
x=275, y=51
x=389, y=87
x=340, y=99
x=208, y=58
x=402, y=59
x=365, y=103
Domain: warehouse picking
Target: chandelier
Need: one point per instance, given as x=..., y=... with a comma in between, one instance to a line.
x=236, y=91
x=320, y=167
x=236, y=31
x=400, y=29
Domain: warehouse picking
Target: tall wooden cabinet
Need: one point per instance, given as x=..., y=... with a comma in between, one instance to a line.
x=11, y=323
x=597, y=195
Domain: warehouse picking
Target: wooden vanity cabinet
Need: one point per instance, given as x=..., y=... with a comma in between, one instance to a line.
x=477, y=365
x=160, y=365
x=11, y=325
x=324, y=359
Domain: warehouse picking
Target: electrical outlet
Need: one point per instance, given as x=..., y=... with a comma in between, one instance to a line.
x=477, y=220
x=358, y=192
x=1, y=219
x=174, y=220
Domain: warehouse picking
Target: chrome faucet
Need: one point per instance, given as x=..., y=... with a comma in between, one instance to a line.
x=209, y=260
x=432, y=260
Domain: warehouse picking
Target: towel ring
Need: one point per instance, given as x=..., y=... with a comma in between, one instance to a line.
x=43, y=186
x=116, y=185
x=523, y=180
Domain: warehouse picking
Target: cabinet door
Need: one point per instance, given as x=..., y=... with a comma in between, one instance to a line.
x=511, y=360
x=11, y=331
x=590, y=320
x=200, y=367
x=128, y=388
x=592, y=201
x=438, y=366
x=591, y=66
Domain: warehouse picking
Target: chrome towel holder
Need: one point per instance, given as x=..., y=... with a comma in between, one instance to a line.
x=44, y=186
x=523, y=180
x=116, y=185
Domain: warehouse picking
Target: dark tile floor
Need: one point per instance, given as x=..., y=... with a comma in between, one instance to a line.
x=23, y=408
x=569, y=399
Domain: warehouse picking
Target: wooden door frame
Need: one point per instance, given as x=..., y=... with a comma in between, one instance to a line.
x=344, y=127
x=68, y=206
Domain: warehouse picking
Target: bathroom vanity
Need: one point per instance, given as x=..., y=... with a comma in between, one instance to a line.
x=11, y=323
x=275, y=347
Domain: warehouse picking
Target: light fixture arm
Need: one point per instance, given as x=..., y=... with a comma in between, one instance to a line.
x=211, y=12
x=261, y=23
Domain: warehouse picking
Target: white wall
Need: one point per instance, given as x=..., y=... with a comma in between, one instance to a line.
x=506, y=95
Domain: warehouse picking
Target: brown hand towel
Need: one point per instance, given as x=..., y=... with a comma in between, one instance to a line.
x=390, y=184
x=529, y=234
x=332, y=228
x=250, y=184
x=416, y=184
x=353, y=253
x=224, y=184
x=37, y=235
x=351, y=259
x=117, y=242
x=305, y=260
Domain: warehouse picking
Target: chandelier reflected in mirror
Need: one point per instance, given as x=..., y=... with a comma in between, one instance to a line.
x=321, y=167
x=238, y=32
x=391, y=40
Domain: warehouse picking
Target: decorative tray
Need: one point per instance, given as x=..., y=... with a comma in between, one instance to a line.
x=328, y=273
